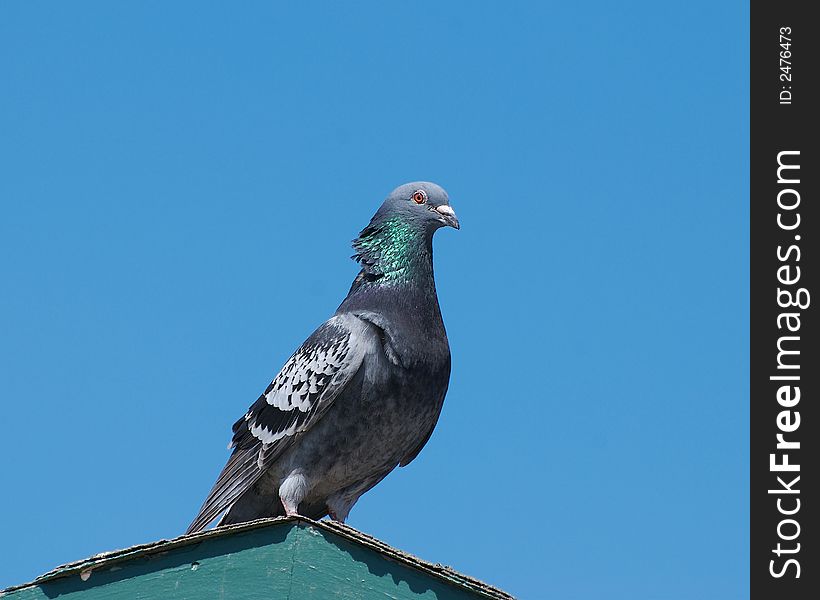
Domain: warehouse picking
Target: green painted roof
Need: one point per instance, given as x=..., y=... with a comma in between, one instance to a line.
x=289, y=557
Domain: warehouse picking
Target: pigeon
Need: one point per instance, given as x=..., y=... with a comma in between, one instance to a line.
x=362, y=394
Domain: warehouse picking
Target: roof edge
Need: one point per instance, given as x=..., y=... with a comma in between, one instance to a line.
x=443, y=572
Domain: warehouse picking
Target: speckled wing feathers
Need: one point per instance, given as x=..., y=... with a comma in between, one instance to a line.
x=289, y=401
x=296, y=398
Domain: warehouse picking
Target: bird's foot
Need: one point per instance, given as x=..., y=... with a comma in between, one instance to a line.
x=292, y=491
x=334, y=517
x=291, y=508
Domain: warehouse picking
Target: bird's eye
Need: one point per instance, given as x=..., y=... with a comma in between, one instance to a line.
x=419, y=196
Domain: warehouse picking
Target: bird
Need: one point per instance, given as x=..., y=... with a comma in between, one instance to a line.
x=362, y=395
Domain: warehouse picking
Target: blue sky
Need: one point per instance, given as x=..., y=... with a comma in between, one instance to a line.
x=180, y=184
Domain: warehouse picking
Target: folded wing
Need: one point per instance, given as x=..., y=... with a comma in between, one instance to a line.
x=297, y=397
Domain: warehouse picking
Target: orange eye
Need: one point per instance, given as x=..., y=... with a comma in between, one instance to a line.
x=419, y=196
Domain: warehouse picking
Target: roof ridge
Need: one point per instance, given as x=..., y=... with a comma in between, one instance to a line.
x=438, y=570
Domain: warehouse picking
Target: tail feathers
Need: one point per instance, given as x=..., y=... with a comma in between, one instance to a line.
x=237, y=478
x=253, y=505
x=258, y=504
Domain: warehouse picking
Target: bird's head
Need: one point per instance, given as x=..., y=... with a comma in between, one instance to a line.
x=421, y=204
x=398, y=242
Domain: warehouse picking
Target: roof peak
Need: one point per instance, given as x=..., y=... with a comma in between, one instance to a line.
x=105, y=560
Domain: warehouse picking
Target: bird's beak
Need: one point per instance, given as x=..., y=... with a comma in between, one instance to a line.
x=449, y=215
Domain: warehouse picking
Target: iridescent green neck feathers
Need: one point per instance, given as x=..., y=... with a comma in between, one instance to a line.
x=393, y=251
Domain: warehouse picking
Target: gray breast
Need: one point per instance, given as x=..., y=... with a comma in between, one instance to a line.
x=383, y=415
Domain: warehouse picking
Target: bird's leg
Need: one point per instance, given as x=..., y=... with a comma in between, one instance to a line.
x=293, y=490
x=338, y=507
x=291, y=510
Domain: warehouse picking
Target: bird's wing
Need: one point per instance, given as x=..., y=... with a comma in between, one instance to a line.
x=297, y=397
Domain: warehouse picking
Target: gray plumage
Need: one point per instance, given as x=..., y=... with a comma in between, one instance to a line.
x=363, y=393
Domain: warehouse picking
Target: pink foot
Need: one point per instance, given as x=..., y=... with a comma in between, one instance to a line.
x=291, y=511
